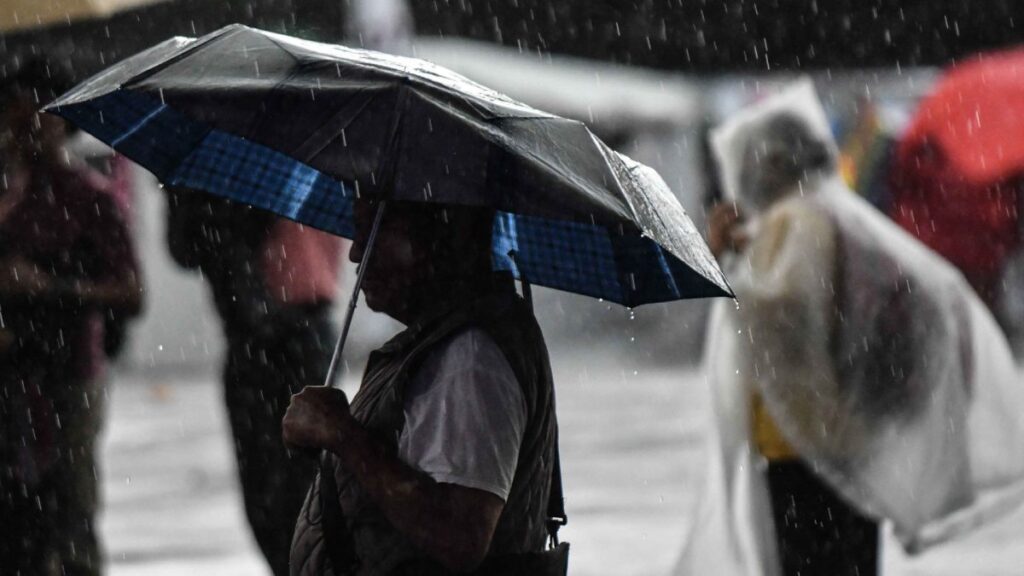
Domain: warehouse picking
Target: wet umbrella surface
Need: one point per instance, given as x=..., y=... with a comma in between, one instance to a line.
x=302, y=129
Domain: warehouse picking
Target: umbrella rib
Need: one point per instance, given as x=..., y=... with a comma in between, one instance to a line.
x=496, y=136
x=137, y=126
x=391, y=167
x=282, y=47
x=327, y=133
x=168, y=62
x=559, y=174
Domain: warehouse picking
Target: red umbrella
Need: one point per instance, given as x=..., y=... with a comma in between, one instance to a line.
x=956, y=167
x=976, y=115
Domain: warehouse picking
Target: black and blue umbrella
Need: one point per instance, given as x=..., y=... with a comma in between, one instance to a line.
x=301, y=129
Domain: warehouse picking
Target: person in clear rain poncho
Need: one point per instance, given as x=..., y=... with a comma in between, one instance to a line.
x=859, y=379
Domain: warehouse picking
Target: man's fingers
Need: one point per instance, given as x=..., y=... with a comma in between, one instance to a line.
x=294, y=433
x=312, y=417
x=318, y=393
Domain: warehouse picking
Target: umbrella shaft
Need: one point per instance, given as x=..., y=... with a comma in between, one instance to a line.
x=367, y=252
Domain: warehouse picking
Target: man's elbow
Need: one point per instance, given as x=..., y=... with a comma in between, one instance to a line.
x=460, y=528
x=465, y=554
x=464, y=544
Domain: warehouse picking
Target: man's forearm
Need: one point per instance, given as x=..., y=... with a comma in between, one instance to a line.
x=430, y=514
x=451, y=524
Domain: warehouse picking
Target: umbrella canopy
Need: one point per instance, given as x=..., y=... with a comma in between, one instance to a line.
x=26, y=14
x=302, y=129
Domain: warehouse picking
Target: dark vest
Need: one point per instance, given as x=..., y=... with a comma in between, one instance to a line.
x=382, y=550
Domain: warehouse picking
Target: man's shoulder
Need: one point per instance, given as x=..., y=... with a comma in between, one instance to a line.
x=468, y=348
x=497, y=335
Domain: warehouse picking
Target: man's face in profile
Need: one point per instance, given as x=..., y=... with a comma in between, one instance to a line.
x=399, y=263
x=424, y=254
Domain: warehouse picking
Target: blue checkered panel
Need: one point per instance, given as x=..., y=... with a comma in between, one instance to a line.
x=562, y=255
x=245, y=172
x=619, y=266
x=593, y=260
x=186, y=153
x=140, y=127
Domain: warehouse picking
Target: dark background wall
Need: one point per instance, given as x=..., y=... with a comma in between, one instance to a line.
x=86, y=47
x=711, y=36
x=702, y=36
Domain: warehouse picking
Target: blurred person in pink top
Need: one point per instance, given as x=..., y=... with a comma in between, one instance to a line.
x=66, y=264
x=300, y=264
x=273, y=283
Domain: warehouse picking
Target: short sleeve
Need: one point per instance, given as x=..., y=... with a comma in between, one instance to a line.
x=465, y=415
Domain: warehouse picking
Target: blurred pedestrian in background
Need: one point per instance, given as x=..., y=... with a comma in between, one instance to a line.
x=66, y=264
x=118, y=171
x=859, y=379
x=273, y=283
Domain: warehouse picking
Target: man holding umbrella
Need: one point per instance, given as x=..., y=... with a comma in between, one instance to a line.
x=445, y=457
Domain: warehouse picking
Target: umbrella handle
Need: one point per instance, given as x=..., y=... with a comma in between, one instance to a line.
x=354, y=300
x=344, y=550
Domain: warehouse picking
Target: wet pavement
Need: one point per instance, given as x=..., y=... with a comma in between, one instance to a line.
x=631, y=445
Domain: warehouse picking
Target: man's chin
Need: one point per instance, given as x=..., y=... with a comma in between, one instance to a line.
x=381, y=305
x=372, y=302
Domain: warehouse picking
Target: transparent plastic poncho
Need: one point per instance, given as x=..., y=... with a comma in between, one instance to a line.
x=875, y=359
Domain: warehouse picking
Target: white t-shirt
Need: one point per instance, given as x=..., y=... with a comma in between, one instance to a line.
x=465, y=415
